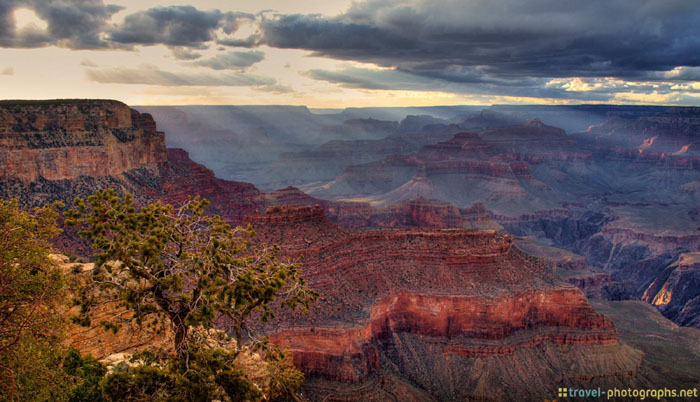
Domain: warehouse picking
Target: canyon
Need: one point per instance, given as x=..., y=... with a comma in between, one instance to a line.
x=453, y=253
x=447, y=297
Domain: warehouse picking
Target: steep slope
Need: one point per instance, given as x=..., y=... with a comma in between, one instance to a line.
x=423, y=309
x=59, y=150
x=676, y=292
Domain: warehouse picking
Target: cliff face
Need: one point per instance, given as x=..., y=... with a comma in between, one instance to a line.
x=182, y=178
x=59, y=150
x=66, y=140
x=450, y=296
x=676, y=292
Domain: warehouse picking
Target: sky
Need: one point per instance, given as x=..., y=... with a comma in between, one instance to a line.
x=344, y=53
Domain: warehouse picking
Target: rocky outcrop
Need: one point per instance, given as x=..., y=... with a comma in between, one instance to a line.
x=94, y=338
x=420, y=212
x=676, y=292
x=65, y=140
x=466, y=326
x=449, y=295
x=59, y=150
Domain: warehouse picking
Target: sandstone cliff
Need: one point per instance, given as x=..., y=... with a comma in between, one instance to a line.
x=65, y=140
x=59, y=150
x=395, y=302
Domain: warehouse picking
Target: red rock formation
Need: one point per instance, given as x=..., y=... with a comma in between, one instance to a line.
x=68, y=139
x=465, y=292
x=183, y=178
x=67, y=148
x=420, y=212
x=560, y=317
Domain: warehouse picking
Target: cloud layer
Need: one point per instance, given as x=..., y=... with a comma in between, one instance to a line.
x=233, y=60
x=485, y=39
x=76, y=24
x=533, y=48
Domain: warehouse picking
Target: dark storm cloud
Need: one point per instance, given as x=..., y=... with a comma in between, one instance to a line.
x=232, y=60
x=504, y=39
x=496, y=47
x=84, y=24
x=176, y=26
x=76, y=24
x=173, y=26
x=152, y=75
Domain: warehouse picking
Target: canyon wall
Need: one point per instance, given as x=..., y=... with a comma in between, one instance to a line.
x=453, y=295
x=59, y=150
x=70, y=139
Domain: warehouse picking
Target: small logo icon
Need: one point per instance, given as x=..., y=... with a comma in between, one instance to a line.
x=563, y=392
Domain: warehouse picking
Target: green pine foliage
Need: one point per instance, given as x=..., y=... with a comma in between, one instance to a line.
x=33, y=364
x=179, y=268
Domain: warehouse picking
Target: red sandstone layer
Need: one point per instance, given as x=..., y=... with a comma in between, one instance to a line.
x=464, y=324
x=469, y=291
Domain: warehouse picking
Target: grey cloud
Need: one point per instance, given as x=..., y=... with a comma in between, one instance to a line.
x=277, y=89
x=501, y=47
x=251, y=41
x=375, y=79
x=75, y=24
x=84, y=24
x=232, y=21
x=677, y=74
x=390, y=79
x=152, y=75
x=534, y=38
x=173, y=26
x=233, y=60
x=6, y=22
x=176, y=26
x=183, y=53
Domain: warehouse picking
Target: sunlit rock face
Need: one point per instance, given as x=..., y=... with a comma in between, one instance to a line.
x=423, y=306
x=57, y=150
x=677, y=291
x=66, y=140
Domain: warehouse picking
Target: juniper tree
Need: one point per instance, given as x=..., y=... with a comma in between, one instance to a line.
x=31, y=297
x=181, y=267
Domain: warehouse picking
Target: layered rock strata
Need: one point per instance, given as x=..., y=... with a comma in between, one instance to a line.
x=65, y=140
x=453, y=295
x=59, y=150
